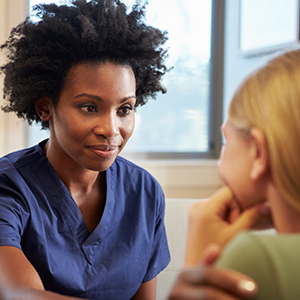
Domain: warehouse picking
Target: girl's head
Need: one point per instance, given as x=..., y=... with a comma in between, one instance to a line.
x=266, y=108
x=40, y=55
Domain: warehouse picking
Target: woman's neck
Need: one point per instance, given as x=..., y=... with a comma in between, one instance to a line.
x=285, y=217
x=76, y=179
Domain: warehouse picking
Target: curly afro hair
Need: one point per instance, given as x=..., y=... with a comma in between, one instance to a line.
x=40, y=54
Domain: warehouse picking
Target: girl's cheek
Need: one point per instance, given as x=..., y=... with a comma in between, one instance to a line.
x=221, y=173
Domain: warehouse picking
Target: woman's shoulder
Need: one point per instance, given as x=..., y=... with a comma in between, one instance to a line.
x=123, y=161
x=20, y=158
x=127, y=167
x=15, y=165
x=134, y=180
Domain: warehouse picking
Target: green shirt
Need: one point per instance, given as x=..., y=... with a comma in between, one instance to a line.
x=272, y=261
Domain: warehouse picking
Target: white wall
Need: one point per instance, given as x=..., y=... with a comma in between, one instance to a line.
x=176, y=222
x=12, y=129
x=186, y=178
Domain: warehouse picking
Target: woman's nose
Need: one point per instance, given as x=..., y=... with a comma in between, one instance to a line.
x=107, y=126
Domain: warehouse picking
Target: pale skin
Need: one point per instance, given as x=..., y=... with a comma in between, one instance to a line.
x=218, y=220
x=241, y=203
x=259, y=180
x=211, y=225
x=206, y=282
x=237, y=206
x=89, y=127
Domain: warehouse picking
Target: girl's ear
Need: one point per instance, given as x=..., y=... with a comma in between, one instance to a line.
x=43, y=108
x=260, y=163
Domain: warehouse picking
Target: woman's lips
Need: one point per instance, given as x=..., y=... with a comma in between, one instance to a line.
x=104, y=151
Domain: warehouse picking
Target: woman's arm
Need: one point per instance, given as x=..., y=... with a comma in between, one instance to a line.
x=147, y=291
x=19, y=280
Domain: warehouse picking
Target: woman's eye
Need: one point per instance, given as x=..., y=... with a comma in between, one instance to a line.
x=88, y=108
x=125, y=110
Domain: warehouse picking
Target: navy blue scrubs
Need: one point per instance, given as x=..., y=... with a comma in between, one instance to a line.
x=39, y=216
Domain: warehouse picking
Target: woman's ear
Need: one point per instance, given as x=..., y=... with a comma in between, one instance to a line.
x=43, y=108
x=260, y=162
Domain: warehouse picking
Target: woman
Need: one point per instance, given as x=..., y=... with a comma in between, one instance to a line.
x=77, y=220
x=260, y=162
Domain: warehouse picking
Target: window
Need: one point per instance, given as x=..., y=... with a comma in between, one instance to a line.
x=184, y=122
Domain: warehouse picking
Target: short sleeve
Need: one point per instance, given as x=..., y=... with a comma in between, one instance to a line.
x=247, y=255
x=13, y=209
x=160, y=255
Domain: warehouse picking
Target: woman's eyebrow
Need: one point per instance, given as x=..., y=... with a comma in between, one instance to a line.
x=127, y=98
x=97, y=98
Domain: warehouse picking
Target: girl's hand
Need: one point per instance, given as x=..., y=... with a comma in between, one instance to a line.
x=217, y=221
x=205, y=282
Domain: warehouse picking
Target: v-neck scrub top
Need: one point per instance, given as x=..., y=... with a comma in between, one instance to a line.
x=39, y=216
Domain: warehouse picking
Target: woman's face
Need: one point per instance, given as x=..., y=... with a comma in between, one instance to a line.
x=94, y=117
x=235, y=166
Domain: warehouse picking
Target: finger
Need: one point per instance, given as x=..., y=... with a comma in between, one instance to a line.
x=218, y=204
x=223, y=194
x=225, y=205
x=200, y=293
x=210, y=254
x=252, y=217
x=228, y=280
x=209, y=293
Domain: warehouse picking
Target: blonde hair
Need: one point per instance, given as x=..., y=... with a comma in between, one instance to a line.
x=269, y=99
